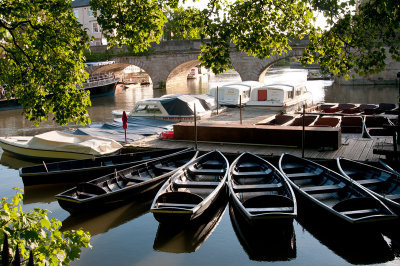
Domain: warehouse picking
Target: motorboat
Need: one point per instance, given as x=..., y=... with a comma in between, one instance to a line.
x=56, y=145
x=175, y=108
x=232, y=94
x=287, y=97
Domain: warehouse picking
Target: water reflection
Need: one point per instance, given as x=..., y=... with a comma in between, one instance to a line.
x=361, y=94
x=101, y=222
x=355, y=245
x=271, y=242
x=43, y=193
x=178, y=238
x=14, y=162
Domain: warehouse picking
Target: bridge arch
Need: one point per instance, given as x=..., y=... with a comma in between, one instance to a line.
x=160, y=67
x=178, y=76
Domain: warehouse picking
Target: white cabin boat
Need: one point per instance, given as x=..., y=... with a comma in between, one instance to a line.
x=287, y=97
x=59, y=145
x=232, y=94
x=174, y=108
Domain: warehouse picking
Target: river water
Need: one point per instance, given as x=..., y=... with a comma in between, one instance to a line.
x=129, y=235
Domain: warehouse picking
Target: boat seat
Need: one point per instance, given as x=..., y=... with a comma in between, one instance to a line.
x=257, y=187
x=297, y=176
x=370, y=182
x=195, y=184
x=212, y=164
x=108, y=163
x=270, y=209
x=84, y=195
x=113, y=185
x=91, y=188
x=138, y=179
x=165, y=168
x=393, y=197
x=248, y=166
x=252, y=174
x=323, y=189
x=176, y=205
x=290, y=166
x=206, y=171
x=360, y=212
x=352, y=172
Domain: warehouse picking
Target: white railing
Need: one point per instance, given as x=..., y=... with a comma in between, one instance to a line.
x=97, y=83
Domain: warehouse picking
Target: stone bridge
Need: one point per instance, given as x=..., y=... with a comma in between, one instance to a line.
x=171, y=61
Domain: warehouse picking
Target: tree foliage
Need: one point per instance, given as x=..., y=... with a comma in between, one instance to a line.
x=358, y=37
x=135, y=23
x=41, y=59
x=182, y=23
x=34, y=231
x=42, y=44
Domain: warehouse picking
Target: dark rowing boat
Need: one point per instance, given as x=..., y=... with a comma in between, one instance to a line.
x=268, y=242
x=389, y=166
x=73, y=171
x=186, y=238
x=385, y=185
x=191, y=190
x=124, y=185
x=375, y=126
x=333, y=193
x=352, y=126
x=259, y=191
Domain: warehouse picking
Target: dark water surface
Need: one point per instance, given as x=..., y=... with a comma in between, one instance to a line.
x=129, y=235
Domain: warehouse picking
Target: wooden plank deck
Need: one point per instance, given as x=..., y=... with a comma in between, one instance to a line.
x=355, y=149
x=352, y=148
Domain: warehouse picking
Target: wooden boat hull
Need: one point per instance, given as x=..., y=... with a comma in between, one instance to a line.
x=186, y=196
x=374, y=127
x=333, y=193
x=125, y=185
x=185, y=238
x=383, y=184
x=107, y=202
x=73, y=171
x=260, y=192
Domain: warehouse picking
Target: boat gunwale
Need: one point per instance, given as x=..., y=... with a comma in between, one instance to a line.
x=94, y=168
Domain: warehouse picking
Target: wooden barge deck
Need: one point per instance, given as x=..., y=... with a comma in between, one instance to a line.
x=361, y=149
x=355, y=149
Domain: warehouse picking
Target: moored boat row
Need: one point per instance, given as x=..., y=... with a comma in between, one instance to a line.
x=357, y=126
x=123, y=185
x=259, y=192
